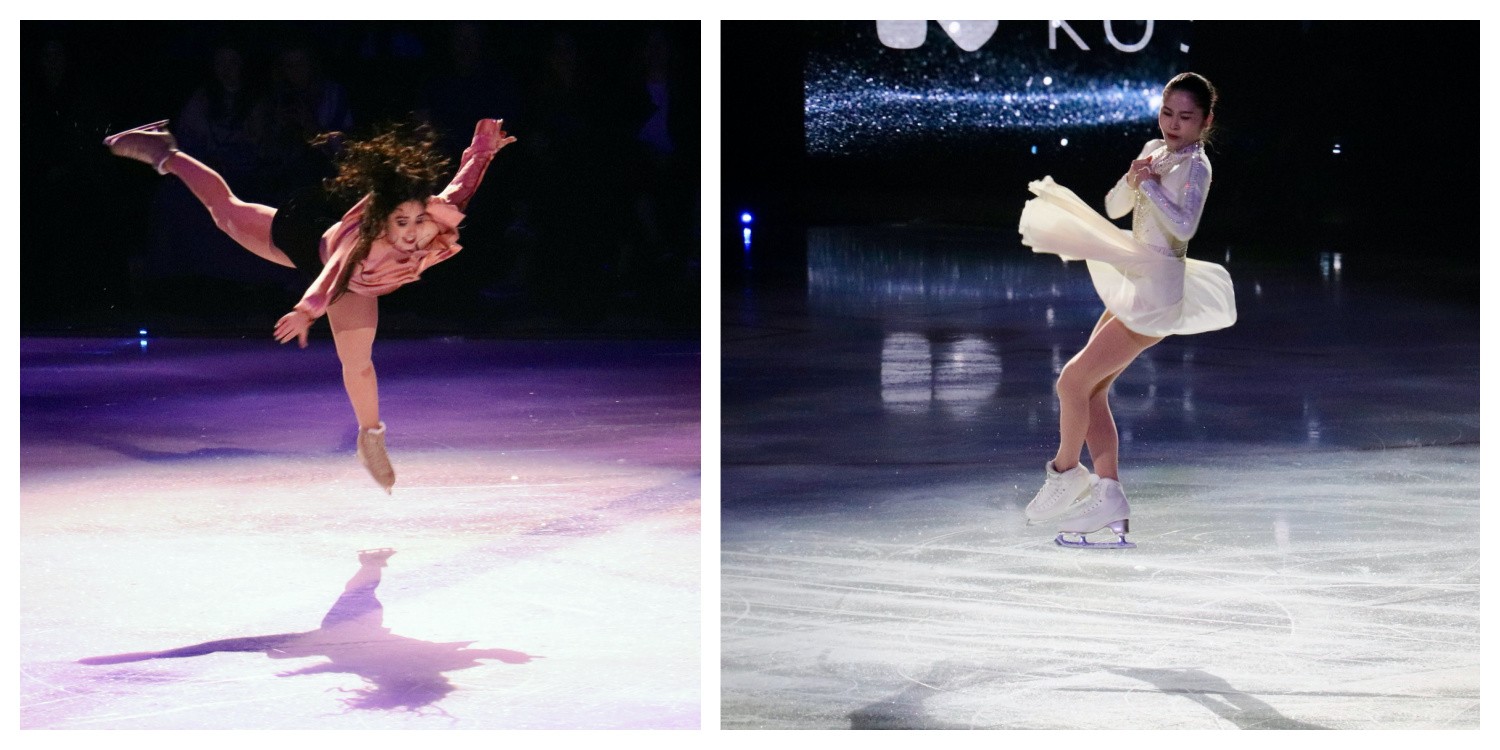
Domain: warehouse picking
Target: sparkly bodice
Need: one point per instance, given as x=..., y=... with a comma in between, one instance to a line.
x=1165, y=213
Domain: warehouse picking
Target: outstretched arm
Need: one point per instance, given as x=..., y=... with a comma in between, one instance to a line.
x=295, y=324
x=489, y=138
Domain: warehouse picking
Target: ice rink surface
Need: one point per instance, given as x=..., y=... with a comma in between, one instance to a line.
x=546, y=517
x=1305, y=493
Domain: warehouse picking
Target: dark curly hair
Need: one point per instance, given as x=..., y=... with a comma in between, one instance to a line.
x=399, y=164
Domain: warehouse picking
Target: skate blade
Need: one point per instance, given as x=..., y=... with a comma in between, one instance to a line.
x=1118, y=528
x=1083, y=543
x=147, y=128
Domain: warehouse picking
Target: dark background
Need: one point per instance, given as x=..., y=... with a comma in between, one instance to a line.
x=1400, y=202
x=583, y=227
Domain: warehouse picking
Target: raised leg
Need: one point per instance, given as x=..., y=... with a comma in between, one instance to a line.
x=1088, y=375
x=246, y=223
x=353, y=319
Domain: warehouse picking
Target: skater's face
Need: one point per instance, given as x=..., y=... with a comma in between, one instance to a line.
x=1181, y=119
x=408, y=226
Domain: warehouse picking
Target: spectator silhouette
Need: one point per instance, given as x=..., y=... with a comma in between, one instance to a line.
x=216, y=124
x=63, y=117
x=302, y=103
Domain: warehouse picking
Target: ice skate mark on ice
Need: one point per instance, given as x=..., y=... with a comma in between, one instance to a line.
x=1291, y=620
x=906, y=709
x=1472, y=708
x=745, y=603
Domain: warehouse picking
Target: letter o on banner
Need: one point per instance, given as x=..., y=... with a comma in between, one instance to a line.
x=1109, y=32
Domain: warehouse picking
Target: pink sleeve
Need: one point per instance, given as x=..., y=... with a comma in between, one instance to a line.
x=342, y=237
x=471, y=171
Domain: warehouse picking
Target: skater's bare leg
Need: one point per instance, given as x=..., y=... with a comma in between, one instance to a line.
x=246, y=223
x=354, y=319
x=1111, y=349
x=1102, y=438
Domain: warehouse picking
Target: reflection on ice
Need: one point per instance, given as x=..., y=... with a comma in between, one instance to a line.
x=958, y=373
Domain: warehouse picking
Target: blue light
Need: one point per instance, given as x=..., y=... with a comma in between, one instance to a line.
x=143, y=332
x=1033, y=149
x=746, y=218
x=747, y=239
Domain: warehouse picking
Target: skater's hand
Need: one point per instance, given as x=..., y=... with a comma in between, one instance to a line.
x=489, y=135
x=293, y=325
x=1140, y=170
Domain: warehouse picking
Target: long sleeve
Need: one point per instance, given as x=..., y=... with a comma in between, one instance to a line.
x=341, y=239
x=1180, y=218
x=1121, y=197
x=471, y=169
x=315, y=301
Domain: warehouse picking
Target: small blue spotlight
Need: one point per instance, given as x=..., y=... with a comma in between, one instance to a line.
x=1033, y=149
x=143, y=332
x=747, y=239
x=746, y=218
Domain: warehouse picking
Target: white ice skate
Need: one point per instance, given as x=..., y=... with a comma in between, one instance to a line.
x=1061, y=493
x=1106, y=509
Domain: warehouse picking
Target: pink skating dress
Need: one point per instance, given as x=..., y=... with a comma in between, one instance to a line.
x=1143, y=275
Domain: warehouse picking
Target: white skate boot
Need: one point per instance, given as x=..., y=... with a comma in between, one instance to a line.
x=1062, y=491
x=371, y=451
x=1105, y=509
x=151, y=144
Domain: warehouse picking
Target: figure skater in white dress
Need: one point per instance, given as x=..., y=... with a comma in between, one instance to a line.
x=1150, y=290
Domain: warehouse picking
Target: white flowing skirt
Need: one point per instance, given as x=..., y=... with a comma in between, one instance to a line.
x=1150, y=290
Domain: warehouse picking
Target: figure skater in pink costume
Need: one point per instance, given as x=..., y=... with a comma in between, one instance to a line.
x=1150, y=290
x=397, y=230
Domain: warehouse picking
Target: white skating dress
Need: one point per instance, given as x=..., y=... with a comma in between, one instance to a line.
x=1143, y=275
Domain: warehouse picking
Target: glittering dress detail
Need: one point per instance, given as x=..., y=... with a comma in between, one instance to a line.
x=1142, y=275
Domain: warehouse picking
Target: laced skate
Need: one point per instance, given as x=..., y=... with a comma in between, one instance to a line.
x=150, y=144
x=1061, y=493
x=371, y=451
x=1106, y=509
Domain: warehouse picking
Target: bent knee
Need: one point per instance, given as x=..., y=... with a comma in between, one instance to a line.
x=1074, y=381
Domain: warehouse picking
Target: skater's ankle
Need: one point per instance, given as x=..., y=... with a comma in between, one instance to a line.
x=1059, y=468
